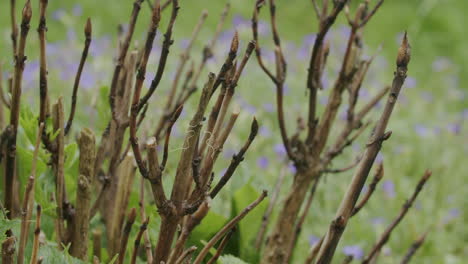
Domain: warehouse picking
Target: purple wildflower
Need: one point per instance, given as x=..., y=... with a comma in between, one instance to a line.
x=280, y=150
x=263, y=162
x=454, y=128
x=354, y=250
x=421, y=130
x=389, y=188
x=411, y=82
x=77, y=10
x=313, y=240
x=269, y=107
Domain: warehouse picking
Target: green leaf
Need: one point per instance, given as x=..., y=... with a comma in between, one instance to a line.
x=54, y=256
x=248, y=227
x=230, y=259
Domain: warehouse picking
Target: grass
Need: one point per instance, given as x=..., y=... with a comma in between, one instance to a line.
x=429, y=126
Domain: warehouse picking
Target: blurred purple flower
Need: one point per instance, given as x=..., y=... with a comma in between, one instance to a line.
x=264, y=131
x=464, y=113
x=354, y=250
x=454, y=128
x=441, y=64
x=77, y=10
x=313, y=240
x=379, y=158
x=451, y=215
x=88, y=80
x=263, y=162
x=58, y=14
x=238, y=21
x=263, y=27
x=184, y=43
x=389, y=188
x=280, y=150
x=427, y=96
x=292, y=168
x=411, y=82
x=421, y=130
x=377, y=221
x=269, y=107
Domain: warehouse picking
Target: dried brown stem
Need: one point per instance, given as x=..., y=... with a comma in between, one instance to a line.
x=27, y=200
x=156, y=16
x=143, y=227
x=125, y=235
x=388, y=232
x=378, y=175
x=221, y=247
x=14, y=28
x=173, y=120
x=221, y=233
x=123, y=54
x=6, y=101
x=58, y=165
x=37, y=232
x=163, y=57
x=414, y=247
x=8, y=250
x=185, y=255
x=171, y=218
x=87, y=145
x=84, y=55
x=10, y=165
x=43, y=88
x=97, y=244
x=236, y=160
x=149, y=254
x=208, y=50
x=271, y=205
x=348, y=203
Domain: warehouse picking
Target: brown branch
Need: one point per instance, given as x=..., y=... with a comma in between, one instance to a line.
x=208, y=50
x=271, y=205
x=378, y=175
x=173, y=120
x=348, y=203
x=125, y=235
x=28, y=199
x=87, y=146
x=97, y=244
x=314, y=252
x=122, y=55
x=221, y=247
x=143, y=227
x=406, y=206
x=185, y=255
x=228, y=227
x=184, y=57
x=149, y=254
x=348, y=259
x=163, y=57
x=414, y=247
x=58, y=159
x=169, y=221
x=84, y=55
x=37, y=232
x=14, y=28
x=302, y=218
x=10, y=165
x=341, y=170
x=8, y=250
x=371, y=14
x=236, y=160
x=155, y=18
x=43, y=88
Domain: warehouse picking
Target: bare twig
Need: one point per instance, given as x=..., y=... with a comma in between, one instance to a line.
x=386, y=235
x=14, y=28
x=414, y=247
x=185, y=255
x=43, y=88
x=10, y=164
x=379, y=173
x=84, y=55
x=221, y=247
x=37, y=232
x=143, y=227
x=125, y=235
x=27, y=200
x=87, y=145
x=338, y=225
x=227, y=228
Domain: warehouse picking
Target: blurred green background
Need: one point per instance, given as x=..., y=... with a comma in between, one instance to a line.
x=429, y=125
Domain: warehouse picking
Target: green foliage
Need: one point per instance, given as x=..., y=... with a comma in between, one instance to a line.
x=230, y=259
x=52, y=255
